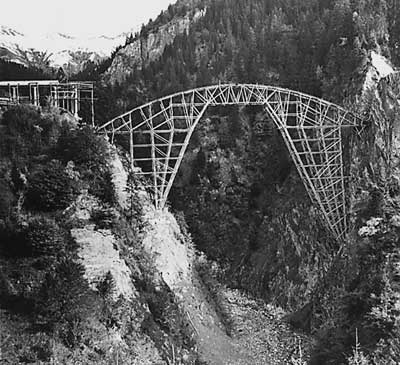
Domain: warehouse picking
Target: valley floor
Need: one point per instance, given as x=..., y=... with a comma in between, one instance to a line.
x=230, y=328
x=252, y=332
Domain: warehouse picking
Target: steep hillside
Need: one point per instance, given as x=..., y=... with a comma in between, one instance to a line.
x=244, y=203
x=76, y=284
x=149, y=45
x=91, y=273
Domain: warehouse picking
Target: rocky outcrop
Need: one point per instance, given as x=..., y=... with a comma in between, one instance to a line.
x=98, y=252
x=375, y=148
x=148, y=48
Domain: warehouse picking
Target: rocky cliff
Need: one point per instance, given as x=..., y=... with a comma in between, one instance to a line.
x=149, y=46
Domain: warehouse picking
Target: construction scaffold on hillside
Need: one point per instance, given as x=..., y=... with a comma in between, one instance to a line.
x=75, y=97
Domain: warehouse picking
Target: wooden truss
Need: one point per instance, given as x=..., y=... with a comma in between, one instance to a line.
x=159, y=133
x=70, y=96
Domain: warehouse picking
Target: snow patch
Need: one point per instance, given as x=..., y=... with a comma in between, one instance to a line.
x=59, y=45
x=381, y=65
x=379, y=69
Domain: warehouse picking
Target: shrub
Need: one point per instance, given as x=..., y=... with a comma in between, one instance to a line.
x=12, y=240
x=7, y=199
x=26, y=133
x=62, y=290
x=103, y=218
x=101, y=185
x=65, y=302
x=90, y=154
x=36, y=350
x=134, y=211
x=106, y=286
x=44, y=237
x=82, y=146
x=50, y=187
x=167, y=318
x=40, y=236
x=18, y=139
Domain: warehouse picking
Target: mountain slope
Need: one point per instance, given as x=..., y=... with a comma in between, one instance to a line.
x=148, y=45
x=58, y=49
x=243, y=200
x=316, y=47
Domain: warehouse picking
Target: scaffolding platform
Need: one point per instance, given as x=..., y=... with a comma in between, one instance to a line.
x=75, y=97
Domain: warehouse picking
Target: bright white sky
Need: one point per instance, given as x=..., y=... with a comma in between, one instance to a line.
x=79, y=17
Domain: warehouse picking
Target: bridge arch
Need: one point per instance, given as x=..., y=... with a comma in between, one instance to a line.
x=159, y=133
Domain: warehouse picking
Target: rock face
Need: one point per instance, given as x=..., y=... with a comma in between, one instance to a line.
x=164, y=239
x=119, y=180
x=148, y=48
x=376, y=151
x=99, y=254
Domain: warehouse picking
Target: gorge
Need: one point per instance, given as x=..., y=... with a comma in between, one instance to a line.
x=238, y=268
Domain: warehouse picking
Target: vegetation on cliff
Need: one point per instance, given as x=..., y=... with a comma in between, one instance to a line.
x=243, y=200
x=56, y=183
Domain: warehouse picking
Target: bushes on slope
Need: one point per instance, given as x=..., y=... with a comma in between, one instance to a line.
x=26, y=133
x=363, y=299
x=34, y=237
x=44, y=237
x=51, y=187
x=64, y=300
x=90, y=154
x=7, y=199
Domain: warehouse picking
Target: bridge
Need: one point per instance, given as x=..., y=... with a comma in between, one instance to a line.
x=159, y=133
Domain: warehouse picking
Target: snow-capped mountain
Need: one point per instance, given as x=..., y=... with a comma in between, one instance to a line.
x=59, y=49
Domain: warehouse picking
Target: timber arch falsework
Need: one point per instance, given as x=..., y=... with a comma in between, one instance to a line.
x=159, y=133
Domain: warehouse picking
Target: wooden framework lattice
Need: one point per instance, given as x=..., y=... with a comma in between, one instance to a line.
x=159, y=133
x=68, y=96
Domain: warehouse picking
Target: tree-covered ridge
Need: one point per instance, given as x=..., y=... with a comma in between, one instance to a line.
x=316, y=46
x=13, y=71
x=180, y=9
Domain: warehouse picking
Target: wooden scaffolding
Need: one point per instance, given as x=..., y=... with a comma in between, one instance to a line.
x=159, y=134
x=71, y=96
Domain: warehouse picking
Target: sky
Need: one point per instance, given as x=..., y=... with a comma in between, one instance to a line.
x=79, y=17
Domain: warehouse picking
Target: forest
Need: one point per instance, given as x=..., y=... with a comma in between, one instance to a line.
x=316, y=47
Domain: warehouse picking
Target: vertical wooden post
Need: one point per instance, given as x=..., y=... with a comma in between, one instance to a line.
x=92, y=104
x=131, y=141
x=37, y=99
x=343, y=185
x=153, y=158
x=76, y=100
x=14, y=94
